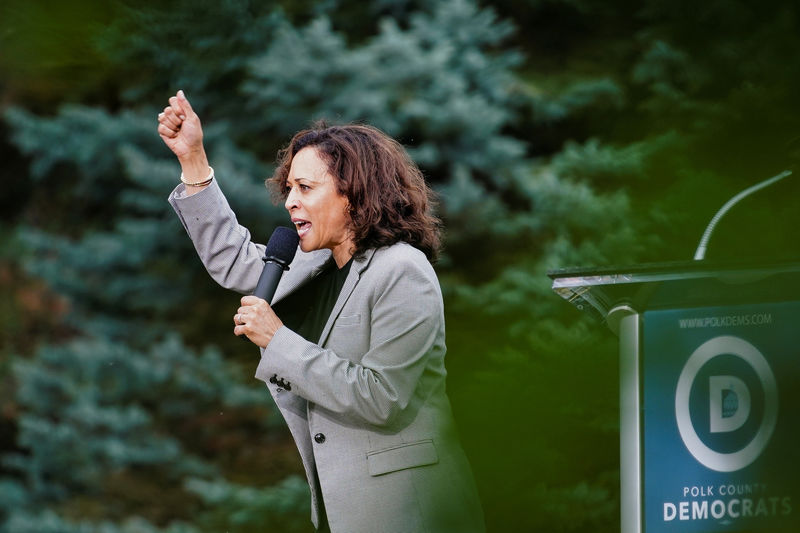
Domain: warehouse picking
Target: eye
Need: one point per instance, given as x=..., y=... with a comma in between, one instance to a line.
x=304, y=187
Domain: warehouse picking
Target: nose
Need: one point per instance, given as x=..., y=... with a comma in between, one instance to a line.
x=291, y=200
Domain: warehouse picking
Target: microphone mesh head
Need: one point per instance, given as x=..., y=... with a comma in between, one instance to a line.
x=282, y=245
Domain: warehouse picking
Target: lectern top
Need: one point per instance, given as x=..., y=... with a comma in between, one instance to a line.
x=598, y=291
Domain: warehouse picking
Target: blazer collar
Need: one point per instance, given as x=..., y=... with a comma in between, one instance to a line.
x=304, y=267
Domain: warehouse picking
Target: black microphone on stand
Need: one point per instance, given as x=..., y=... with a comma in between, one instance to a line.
x=278, y=254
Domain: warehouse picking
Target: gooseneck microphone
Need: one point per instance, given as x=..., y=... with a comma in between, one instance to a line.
x=278, y=254
x=700, y=254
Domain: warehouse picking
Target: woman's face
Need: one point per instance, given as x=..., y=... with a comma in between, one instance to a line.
x=317, y=210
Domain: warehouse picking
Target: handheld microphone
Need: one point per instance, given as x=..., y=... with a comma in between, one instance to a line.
x=278, y=254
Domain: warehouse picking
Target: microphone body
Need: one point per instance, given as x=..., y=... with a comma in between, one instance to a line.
x=268, y=281
x=278, y=254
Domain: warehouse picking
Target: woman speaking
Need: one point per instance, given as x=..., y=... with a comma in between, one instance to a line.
x=352, y=348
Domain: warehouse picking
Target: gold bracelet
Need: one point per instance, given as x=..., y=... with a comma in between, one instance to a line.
x=199, y=183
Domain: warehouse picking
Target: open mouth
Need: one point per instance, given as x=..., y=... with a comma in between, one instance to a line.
x=303, y=226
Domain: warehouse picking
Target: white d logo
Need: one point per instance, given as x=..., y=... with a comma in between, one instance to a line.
x=728, y=403
x=726, y=418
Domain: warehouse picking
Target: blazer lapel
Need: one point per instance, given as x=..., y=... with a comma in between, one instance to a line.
x=350, y=283
x=302, y=269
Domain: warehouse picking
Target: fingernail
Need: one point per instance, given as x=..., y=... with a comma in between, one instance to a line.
x=182, y=117
x=180, y=94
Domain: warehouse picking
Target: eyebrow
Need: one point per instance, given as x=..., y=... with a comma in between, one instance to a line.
x=302, y=178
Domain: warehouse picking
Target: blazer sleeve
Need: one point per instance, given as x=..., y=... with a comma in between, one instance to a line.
x=224, y=246
x=406, y=329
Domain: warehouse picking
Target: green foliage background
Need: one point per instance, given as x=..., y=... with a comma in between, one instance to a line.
x=557, y=133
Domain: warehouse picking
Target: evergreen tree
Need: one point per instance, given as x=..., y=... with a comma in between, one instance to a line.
x=579, y=134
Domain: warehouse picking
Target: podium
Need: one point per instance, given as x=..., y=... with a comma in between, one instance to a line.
x=709, y=391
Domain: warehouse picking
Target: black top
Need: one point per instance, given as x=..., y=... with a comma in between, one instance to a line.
x=317, y=299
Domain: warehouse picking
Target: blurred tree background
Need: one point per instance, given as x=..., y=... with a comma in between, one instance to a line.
x=557, y=133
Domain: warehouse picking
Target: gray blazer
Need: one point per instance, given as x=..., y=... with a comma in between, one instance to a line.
x=366, y=403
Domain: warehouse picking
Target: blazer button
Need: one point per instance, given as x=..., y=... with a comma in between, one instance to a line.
x=319, y=438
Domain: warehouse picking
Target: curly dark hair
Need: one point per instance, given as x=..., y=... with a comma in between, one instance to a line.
x=389, y=199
